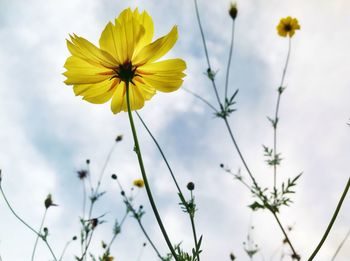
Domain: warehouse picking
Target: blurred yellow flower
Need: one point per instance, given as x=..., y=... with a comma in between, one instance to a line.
x=126, y=54
x=139, y=183
x=287, y=26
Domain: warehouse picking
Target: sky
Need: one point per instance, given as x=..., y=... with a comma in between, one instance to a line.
x=47, y=133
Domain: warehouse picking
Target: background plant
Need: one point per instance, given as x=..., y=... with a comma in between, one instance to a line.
x=328, y=109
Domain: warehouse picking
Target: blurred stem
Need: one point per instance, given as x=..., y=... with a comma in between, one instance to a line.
x=340, y=245
x=95, y=191
x=25, y=223
x=206, y=53
x=84, y=197
x=83, y=257
x=280, y=91
x=173, y=177
x=194, y=231
x=229, y=128
x=64, y=250
x=229, y=57
x=115, y=235
x=201, y=98
x=295, y=255
x=334, y=217
x=130, y=207
x=37, y=238
x=144, y=176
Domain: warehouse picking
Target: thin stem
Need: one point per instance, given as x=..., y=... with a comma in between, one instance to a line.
x=37, y=238
x=64, y=250
x=25, y=223
x=173, y=177
x=161, y=152
x=240, y=153
x=340, y=245
x=115, y=234
x=95, y=192
x=201, y=98
x=334, y=217
x=229, y=57
x=130, y=207
x=202, y=33
x=83, y=257
x=144, y=176
x=228, y=126
x=295, y=255
x=194, y=232
x=280, y=90
x=206, y=52
x=15, y=214
x=84, y=197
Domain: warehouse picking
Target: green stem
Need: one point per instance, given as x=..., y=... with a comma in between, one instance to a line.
x=25, y=223
x=194, y=232
x=295, y=255
x=144, y=176
x=206, y=52
x=334, y=217
x=280, y=90
x=229, y=58
x=201, y=98
x=173, y=177
x=340, y=245
x=64, y=250
x=37, y=238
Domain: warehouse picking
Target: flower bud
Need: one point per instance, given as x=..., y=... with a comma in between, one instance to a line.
x=190, y=186
x=233, y=10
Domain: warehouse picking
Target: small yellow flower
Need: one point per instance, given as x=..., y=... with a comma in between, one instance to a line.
x=139, y=183
x=287, y=26
x=126, y=54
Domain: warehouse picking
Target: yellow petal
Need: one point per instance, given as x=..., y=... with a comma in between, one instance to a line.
x=80, y=71
x=129, y=31
x=108, y=42
x=119, y=101
x=103, y=98
x=165, y=76
x=98, y=93
x=146, y=21
x=83, y=49
x=157, y=49
x=147, y=91
x=96, y=89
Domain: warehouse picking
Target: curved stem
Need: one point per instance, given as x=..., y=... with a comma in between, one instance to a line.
x=229, y=58
x=144, y=176
x=37, y=238
x=334, y=217
x=25, y=223
x=280, y=90
x=64, y=250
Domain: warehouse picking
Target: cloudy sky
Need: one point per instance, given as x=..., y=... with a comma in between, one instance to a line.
x=47, y=133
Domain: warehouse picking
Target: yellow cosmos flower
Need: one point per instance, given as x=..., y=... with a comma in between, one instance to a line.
x=139, y=183
x=126, y=55
x=287, y=26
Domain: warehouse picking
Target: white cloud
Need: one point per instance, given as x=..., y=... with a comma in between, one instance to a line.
x=47, y=133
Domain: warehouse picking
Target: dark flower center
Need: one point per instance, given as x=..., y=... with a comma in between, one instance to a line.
x=126, y=72
x=287, y=27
